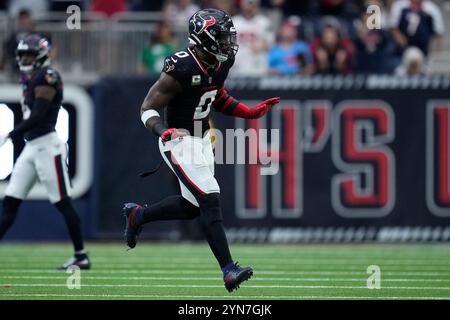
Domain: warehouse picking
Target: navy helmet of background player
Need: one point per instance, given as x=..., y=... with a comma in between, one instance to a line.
x=32, y=53
x=191, y=84
x=44, y=155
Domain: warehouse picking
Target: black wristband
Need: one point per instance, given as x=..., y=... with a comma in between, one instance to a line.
x=158, y=128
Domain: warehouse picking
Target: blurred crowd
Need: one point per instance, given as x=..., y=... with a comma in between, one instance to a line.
x=281, y=37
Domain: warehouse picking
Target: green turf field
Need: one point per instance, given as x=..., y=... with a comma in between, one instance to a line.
x=189, y=271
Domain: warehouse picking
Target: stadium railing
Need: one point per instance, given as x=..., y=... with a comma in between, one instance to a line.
x=112, y=45
x=101, y=46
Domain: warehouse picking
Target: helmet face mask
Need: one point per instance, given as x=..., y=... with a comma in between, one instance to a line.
x=213, y=31
x=32, y=52
x=26, y=60
x=228, y=43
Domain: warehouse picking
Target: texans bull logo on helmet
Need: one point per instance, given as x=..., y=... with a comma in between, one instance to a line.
x=206, y=24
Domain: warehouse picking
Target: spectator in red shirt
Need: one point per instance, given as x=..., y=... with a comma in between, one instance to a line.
x=332, y=53
x=331, y=7
x=108, y=7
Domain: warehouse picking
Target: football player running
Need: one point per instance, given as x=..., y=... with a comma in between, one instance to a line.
x=44, y=155
x=190, y=84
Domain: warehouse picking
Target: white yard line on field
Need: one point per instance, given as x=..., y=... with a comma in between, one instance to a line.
x=217, y=272
x=135, y=296
x=303, y=261
x=296, y=260
x=88, y=277
x=300, y=258
x=219, y=286
x=195, y=268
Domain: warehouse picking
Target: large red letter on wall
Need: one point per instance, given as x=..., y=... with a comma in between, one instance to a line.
x=285, y=193
x=366, y=188
x=438, y=158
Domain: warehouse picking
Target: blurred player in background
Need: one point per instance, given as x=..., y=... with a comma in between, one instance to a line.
x=192, y=82
x=44, y=155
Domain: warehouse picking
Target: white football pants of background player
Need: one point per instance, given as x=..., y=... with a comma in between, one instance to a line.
x=43, y=159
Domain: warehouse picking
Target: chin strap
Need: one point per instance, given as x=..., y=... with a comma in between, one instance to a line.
x=221, y=59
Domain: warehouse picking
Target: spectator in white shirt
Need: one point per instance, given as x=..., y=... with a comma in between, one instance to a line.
x=178, y=12
x=255, y=37
x=416, y=23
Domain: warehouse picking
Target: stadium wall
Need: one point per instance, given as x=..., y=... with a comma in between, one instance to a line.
x=361, y=159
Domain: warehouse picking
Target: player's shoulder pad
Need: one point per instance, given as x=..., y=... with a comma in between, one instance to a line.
x=48, y=76
x=178, y=65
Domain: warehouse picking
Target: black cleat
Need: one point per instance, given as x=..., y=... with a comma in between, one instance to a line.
x=79, y=260
x=132, y=230
x=236, y=276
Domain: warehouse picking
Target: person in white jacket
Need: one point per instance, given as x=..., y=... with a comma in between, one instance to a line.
x=255, y=37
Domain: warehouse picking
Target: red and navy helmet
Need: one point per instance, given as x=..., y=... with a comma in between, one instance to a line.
x=213, y=31
x=37, y=46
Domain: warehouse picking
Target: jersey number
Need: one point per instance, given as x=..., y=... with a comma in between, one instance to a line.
x=204, y=105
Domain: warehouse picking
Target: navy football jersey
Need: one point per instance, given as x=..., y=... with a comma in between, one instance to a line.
x=48, y=77
x=199, y=89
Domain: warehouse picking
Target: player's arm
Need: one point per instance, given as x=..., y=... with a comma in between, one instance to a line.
x=438, y=30
x=44, y=95
x=394, y=21
x=230, y=106
x=399, y=38
x=158, y=97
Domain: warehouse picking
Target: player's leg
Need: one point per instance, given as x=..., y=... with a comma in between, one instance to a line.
x=198, y=185
x=191, y=163
x=10, y=208
x=22, y=180
x=52, y=170
x=171, y=208
x=233, y=274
